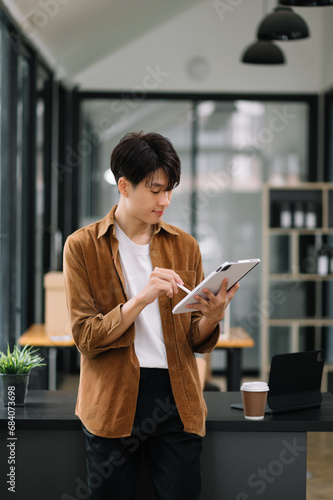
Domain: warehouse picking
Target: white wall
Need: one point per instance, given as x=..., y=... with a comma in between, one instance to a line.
x=220, y=38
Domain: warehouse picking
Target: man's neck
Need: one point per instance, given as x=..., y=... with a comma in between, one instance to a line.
x=136, y=230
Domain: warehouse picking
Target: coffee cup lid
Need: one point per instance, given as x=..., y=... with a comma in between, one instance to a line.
x=254, y=386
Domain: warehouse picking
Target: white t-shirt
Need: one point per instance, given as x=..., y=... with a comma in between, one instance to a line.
x=137, y=267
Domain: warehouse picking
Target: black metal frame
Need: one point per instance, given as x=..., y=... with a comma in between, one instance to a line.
x=19, y=46
x=328, y=141
x=311, y=99
x=28, y=208
x=67, y=175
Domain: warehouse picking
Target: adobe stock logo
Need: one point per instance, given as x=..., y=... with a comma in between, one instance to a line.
x=35, y=21
x=39, y=18
x=222, y=9
x=262, y=478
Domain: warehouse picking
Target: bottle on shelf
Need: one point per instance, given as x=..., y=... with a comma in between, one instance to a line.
x=285, y=214
x=323, y=260
x=311, y=215
x=298, y=216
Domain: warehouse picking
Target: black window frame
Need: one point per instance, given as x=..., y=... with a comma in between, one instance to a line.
x=19, y=311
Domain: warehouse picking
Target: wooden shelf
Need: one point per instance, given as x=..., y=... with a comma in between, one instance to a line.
x=300, y=322
x=302, y=186
x=322, y=195
x=300, y=231
x=300, y=276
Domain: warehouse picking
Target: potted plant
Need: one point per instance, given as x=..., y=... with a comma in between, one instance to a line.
x=15, y=369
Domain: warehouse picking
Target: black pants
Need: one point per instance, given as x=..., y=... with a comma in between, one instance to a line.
x=172, y=455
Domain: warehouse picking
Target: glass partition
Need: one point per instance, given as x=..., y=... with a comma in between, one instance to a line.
x=22, y=177
x=40, y=189
x=21, y=209
x=14, y=162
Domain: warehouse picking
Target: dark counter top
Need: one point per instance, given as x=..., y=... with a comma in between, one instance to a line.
x=45, y=410
x=54, y=410
x=223, y=418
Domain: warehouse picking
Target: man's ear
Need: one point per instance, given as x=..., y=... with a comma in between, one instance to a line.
x=123, y=186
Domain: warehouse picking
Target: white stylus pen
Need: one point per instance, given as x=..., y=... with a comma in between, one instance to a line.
x=184, y=288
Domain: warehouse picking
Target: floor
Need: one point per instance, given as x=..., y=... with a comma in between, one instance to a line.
x=320, y=452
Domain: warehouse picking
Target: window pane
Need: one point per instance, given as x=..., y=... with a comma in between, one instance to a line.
x=22, y=166
x=40, y=197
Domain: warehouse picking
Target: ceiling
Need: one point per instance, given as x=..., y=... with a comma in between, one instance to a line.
x=77, y=33
x=120, y=44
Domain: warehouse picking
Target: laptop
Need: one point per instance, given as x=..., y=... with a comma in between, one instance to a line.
x=294, y=382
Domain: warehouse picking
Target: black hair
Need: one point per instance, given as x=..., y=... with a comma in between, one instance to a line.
x=139, y=156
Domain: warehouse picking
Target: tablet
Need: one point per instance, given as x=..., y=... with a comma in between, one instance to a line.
x=234, y=271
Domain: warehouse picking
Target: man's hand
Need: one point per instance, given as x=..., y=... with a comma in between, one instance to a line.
x=161, y=281
x=213, y=307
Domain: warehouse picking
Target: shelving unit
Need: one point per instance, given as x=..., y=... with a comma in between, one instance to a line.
x=294, y=294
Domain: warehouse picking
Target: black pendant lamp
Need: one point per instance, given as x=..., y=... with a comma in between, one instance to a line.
x=263, y=52
x=283, y=24
x=307, y=3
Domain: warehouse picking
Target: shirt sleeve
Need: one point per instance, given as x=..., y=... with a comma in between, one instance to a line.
x=89, y=326
x=210, y=343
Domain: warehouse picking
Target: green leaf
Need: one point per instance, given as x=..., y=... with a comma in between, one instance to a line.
x=20, y=361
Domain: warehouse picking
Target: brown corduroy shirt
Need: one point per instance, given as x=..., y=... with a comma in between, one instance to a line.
x=109, y=378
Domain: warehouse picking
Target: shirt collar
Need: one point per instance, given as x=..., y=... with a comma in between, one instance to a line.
x=109, y=221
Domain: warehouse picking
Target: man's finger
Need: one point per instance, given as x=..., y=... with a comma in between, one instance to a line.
x=233, y=290
x=168, y=275
x=224, y=286
x=210, y=295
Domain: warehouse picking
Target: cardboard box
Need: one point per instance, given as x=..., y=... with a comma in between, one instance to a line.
x=56, y=314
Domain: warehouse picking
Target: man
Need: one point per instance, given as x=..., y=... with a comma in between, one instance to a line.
x=139, y=384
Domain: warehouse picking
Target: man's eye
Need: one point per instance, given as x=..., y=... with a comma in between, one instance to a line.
x=155, y=192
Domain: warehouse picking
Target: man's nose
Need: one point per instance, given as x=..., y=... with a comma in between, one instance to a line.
x=166, y=198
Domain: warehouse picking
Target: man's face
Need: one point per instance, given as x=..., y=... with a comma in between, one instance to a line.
x=148, y=202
